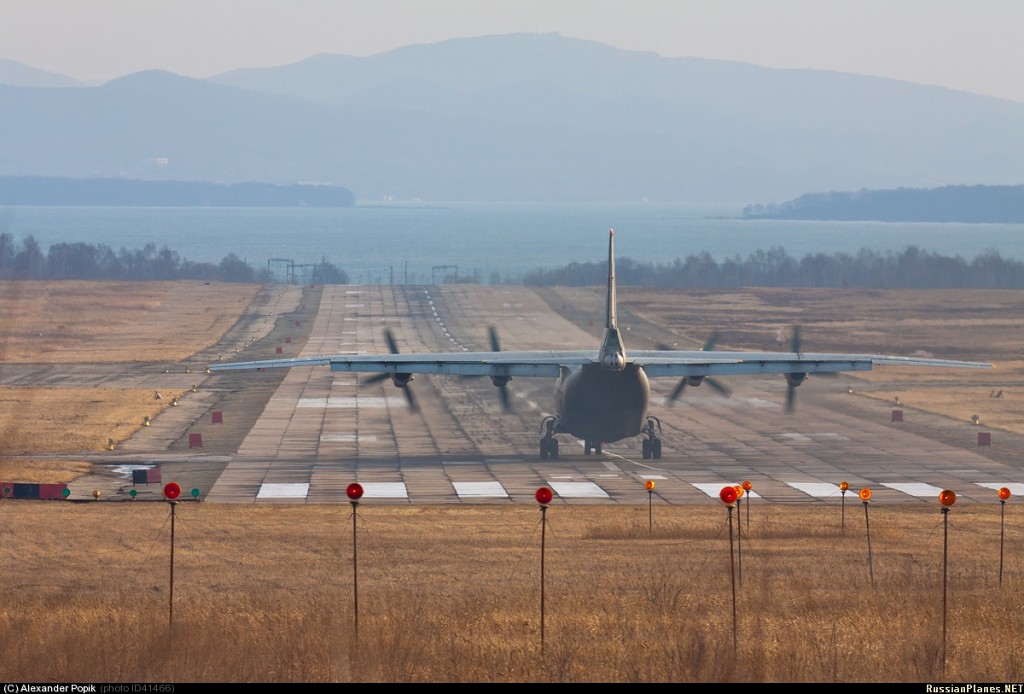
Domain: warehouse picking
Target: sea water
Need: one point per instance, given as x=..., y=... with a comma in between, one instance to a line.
x=488, y=242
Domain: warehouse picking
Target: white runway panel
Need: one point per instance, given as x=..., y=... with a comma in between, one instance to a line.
x=915, y=488
x=819, y=490
x=468, y=490
x=1016, y=488
x=579, y=490
x=712, y=489
x=385, y=490
x=283, y=490
x=350, y=403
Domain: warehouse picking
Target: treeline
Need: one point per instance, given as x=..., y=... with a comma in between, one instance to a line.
x=82, y=261
x=116, y=192
x=912, y=268
x=973, y=204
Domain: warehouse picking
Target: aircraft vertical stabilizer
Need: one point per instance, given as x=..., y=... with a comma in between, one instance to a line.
x=613, y=355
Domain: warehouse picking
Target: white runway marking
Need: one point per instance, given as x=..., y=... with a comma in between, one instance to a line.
x=820, y=490
x=578, y=490
x=914, y=488
x=712, y=489
x=1016, y=488
x=283, y=490
x=385, y=490
x=480, y=489
x=345, y=438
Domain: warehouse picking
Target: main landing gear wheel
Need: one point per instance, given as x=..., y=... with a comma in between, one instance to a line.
x=651, y=447
x=549, y=448
x=548, y=444
x=589, y=446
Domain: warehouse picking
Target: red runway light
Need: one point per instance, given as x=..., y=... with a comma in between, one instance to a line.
x=172, y=491
x=354, y=491
x=727, y=495
x=543, y=496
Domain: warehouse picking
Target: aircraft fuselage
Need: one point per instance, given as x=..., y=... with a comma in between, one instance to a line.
x=603, y=405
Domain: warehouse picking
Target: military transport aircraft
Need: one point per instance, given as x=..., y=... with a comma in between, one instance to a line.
x=601, y=395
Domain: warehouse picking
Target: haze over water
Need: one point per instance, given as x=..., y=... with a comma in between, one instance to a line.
x=483, y=240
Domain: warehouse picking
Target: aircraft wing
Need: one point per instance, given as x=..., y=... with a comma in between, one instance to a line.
x=717, y=363
x=549, y=363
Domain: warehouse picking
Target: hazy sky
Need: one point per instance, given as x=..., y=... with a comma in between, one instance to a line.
x=973, y=46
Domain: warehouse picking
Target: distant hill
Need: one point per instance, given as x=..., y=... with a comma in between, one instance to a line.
x=20, y=75
x=975, y=204
x=53, y=191
x=520, y=117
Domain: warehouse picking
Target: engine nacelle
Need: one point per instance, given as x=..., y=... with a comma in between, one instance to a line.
x=500, y=381
x=401, y=380
x=795, y=379
x=694, y=380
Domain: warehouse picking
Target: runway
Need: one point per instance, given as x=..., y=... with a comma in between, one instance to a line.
x=321, y=430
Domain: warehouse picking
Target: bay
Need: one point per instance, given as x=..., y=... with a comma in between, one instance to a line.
x=489, y=242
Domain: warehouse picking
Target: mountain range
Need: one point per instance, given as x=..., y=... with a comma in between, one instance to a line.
x=519, y=117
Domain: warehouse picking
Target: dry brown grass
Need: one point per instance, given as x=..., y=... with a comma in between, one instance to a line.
x=74, y=322
x=37, y=421
x=265, y=593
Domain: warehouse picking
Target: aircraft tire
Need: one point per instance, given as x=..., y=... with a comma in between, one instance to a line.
x=646, y=449
x=553, y=449
x=656, y=449
x=597, y=449
x=543, y=449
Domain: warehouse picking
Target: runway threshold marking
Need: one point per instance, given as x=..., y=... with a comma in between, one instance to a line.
x=475, y=490
x=914, y=488
x=385, y=490
x=712, y=489
x=569, y=490
x=283, y=490
x=819, y=490
x=1016, y=488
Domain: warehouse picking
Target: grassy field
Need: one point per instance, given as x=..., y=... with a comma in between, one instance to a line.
x=450, y=594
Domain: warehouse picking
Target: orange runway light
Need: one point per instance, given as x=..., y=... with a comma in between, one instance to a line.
x=739, y=491
x=1004, y=493
x=947, y=497
x=865, y=494
x=844, y=486
x=649, y=485
x=747, y=486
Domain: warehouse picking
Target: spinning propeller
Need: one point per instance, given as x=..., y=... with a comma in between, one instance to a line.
x=400, y=380
x=500, y=381
x=722, y=389
x=793, y=379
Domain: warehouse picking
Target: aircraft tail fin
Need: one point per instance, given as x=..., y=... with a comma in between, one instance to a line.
x=610, y=320
x=612, y=354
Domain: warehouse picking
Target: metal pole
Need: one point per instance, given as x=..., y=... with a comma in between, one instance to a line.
x=543, y=532
x=650, y=511
x=355, y=574
x=170, y=599
x=739, y=546
x=945, y=557
x=867, y=526
x=842, y=513
x=1002, y=514
x=732, y=576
